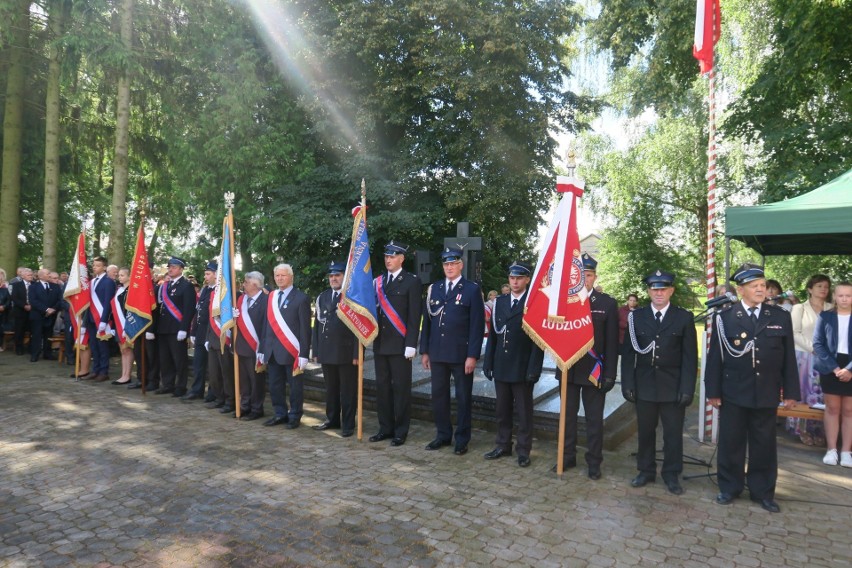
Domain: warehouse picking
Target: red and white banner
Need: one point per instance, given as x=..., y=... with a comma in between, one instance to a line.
x=708, y=26
x=77, y=290
x=557, y=315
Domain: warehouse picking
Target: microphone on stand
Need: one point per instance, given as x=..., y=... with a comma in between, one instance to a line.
x=728, y=298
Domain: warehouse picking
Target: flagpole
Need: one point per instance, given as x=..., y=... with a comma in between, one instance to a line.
x=229, y=199
x=77, y=349
x=360, y=392
x=563, y=393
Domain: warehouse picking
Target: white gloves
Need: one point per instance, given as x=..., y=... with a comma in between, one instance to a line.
x=207, y=345
x=303, y=363
x=236, y=312
x=181, y=335
x=261, y=359
x=149, y=336
x=102, y=327
x=409, y=352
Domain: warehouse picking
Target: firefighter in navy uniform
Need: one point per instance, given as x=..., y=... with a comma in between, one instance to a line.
x=513, y=361
x=659, y=365
x=750, y=363
x=602, y=363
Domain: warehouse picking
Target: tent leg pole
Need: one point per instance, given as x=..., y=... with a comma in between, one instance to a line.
x=727, y=259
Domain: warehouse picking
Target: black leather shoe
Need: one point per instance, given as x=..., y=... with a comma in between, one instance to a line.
x=768, y=505
x=567, y=464
x=276, y=420
x=226, y=409
x=496, y=453
x=724, y=499
x=136, y=385
x=460, y=450
x=594, y=473
x=117, y=382
x=293, y=425
x=325, y=426
x=347, y=433
x=33, y=359
x=397, y=442
x=251, y=416
x=83, y=376
x=178, y=394
x=642, y=480
x=214, y=404
x=190, y=396
x=437, y=444
x=164, y=391
x=674, y=487
x=378, y=437
x=524, y=461
x=209, y=399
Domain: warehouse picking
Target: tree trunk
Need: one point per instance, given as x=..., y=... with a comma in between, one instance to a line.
x=121, y=162
x=13, y=133
x=52, y=174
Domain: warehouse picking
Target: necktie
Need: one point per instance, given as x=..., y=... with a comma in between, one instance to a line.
x=44, y=284
x=334, y=297
x=514, y=303
x=659, y=317
x=390, y=278
x=250, y=302
x=449, y=289
x=280, y=300
x=752, y=312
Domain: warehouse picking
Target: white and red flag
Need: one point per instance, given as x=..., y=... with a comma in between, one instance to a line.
x=557, y=315
x=77, y=290
x=708, y=27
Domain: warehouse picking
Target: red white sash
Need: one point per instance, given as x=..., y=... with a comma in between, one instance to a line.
x=97, y=306
x=387, y=308
x=281, y=330
x=118, y=316
x=246, y=325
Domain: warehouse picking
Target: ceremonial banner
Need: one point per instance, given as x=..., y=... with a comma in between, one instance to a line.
x=708, y=26
x=357, y=308
x=141, y=300
x=77, y=290
x=222, y=307
x=557, y=315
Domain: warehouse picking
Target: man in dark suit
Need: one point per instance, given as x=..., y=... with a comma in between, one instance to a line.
x=96, y=318
x=220, y=368
x=151, y=363
x=750, y=362
x=21, y=306
x=251, y=321
x=450, y=344
x=336, y=349
x=286, y=346
x=659, y=365
x=513, y=361
x=176, y=301
x=600, y=363
x=45, y=302
x=200, y=327
x=399, y=303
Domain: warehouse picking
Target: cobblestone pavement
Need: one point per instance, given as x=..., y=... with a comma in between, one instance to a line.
x=96, y=475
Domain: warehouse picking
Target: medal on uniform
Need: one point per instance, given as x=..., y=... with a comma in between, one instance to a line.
x=743, y=335
x=737, y=342
x=458, y=299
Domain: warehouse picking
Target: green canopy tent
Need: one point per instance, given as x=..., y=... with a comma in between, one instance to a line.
x=818, y=222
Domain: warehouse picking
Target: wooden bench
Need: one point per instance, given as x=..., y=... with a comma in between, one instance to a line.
x=801, y=411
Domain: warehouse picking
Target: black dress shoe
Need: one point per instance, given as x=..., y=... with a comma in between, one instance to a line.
x=214, y=404
x=724, y=499
x=83, y=376
x=674, y=487
x=178, y=394
x=190, y=396
x=293, y=425
x=768, y=505
x=496, y=453
x=397, y=442
x=347, y=433
x=209, y=399
x=594, y=473
x=642, y=480
x=524, y=461
x=378, y=437
x=325, y=426
x=276, y=420
x=460, y=450
x=437, y=444
x=251, y=416
x=33, y=359
x=226, y=409
x=117, y=382
x=136, y=385
x=164, y=391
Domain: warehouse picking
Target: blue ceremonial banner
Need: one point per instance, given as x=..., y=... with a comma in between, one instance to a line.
x=140, y=297
x=222, y=308
x=357, y=308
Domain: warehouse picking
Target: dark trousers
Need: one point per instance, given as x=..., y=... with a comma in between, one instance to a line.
x=19, y=326
x=441, y=373
x=41, y=330
x=252, y=386
x=648, y=414
x=514, y=397
x=754, y=428
x=199, y=369
x=220, y=371
x=341, y=394
x=279, y=376
x=393, y=394
x=173, y=362
x=151, y=365
x=100, y=352
x=70, y=339
x=593, y=404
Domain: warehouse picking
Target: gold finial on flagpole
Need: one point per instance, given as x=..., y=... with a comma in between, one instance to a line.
x=229, y=199
x=363, y=192
x=571, y=159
